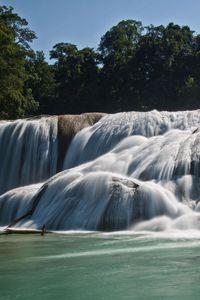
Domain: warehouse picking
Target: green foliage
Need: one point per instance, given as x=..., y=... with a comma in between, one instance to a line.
x=165, y=59
x=119, y=43
x=18, y=26
x=15, y=101
x=117, y=48
x=134, y=68
x=76, y=75
x=41, y=81
x=149, y=67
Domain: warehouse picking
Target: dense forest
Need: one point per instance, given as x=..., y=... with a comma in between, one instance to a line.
x=135, y=67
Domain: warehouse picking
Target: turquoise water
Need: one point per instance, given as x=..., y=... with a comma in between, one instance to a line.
x=99, y=266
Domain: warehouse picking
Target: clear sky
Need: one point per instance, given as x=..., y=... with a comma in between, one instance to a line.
x=83, y=22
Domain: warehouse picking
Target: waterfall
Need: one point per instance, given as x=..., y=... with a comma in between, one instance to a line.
x=112, y=129
x=33, y=150
x=135, y=170
x=28, y=151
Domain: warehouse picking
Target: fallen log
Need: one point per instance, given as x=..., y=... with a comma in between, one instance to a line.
x=12, y=230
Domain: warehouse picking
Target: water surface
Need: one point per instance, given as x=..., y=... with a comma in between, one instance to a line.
x=100, y=266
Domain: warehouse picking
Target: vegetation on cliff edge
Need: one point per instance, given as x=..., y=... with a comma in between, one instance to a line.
x=133, y=68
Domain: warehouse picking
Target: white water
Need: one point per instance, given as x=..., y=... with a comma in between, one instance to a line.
x=28, y=151
x=16, y=203
x=92, y=142
x=136, y=171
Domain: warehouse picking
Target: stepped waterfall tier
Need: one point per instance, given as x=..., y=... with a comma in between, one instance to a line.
x=33, y=150
x=135, y=171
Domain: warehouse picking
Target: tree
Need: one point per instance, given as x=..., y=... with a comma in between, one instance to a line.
x=76, y=73
x=163, y=61
x=41, y=82
x=118, y=44
x=15, y=100
x=117, y=48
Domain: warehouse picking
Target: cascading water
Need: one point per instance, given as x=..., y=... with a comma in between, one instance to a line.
x=32, y=150
x=138, y=171
x=28, y=151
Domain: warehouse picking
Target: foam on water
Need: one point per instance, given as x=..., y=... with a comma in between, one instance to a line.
x=130, y=171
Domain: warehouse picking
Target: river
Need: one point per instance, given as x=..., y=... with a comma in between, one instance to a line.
x=100, y=266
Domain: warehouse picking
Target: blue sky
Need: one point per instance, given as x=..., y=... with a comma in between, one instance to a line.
x=83, y=22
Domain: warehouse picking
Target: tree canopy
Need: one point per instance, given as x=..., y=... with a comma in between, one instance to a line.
x=15, y=100
x=135, y=67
